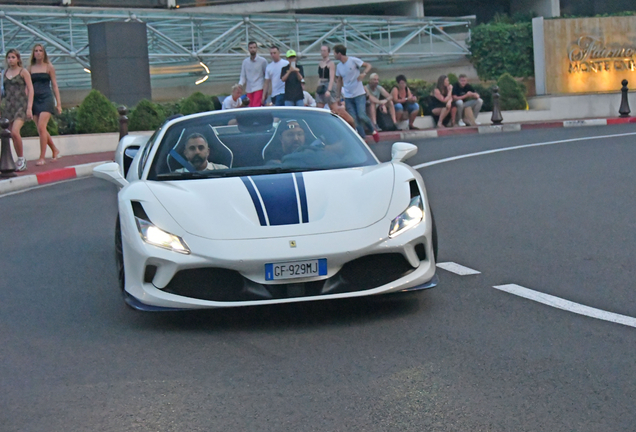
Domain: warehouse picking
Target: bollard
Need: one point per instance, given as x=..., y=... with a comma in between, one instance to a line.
x=123, y=121
x=496, y=112
x=7, y=166
x=624, y=109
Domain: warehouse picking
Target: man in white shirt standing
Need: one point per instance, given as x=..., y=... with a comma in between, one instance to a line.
x=355, y=96
x=253, y=75
x=272, y=78
x=234, y=100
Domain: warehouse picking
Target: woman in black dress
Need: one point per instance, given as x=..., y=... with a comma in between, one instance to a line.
x=442, y=101
x=17, y=102
x=43, y=77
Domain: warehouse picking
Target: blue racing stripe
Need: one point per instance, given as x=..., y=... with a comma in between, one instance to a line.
x=257, y=203
x=302, y=194
x=279, y=196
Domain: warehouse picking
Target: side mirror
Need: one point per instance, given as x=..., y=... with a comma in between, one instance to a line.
x=112, y=172
x=401, y=151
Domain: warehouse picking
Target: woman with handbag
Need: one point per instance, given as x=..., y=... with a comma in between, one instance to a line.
x=326, y=92
x=44, y=103
x=17, y=102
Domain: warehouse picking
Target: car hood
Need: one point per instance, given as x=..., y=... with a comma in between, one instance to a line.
x=279, y=205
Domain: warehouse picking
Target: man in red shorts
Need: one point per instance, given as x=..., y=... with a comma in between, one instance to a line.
x=253, y=75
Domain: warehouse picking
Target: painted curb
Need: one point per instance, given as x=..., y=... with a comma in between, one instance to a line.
x=25, y=182
x=506, y=127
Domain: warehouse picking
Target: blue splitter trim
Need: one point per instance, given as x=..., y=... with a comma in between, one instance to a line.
x=255, y=200
x=279, y=196
x=302, y=194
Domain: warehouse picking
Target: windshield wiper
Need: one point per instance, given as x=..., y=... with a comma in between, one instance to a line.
x=182, y=175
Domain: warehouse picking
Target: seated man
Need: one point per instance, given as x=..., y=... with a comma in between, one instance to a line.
x=378, y=99
x=196, y=153
x=465, y=96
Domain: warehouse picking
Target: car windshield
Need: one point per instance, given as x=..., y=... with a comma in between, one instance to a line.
x=257, y=141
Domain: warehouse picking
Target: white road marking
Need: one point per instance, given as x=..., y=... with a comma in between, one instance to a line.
x=454, y=158
x=457, y=269
x=567, y=305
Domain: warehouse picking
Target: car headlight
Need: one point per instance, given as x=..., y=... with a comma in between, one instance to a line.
x=413, y=215
x=158, y=237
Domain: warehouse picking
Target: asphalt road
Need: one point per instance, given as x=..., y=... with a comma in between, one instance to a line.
x=558, y=219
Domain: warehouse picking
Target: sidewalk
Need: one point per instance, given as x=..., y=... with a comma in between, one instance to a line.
x=486, y=127
x=81, y=165
x=65, y=168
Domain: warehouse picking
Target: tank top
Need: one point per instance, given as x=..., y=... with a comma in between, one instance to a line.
x=323, y=73
x=41, y=83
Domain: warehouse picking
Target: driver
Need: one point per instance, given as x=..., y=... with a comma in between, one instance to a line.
x=197, y=152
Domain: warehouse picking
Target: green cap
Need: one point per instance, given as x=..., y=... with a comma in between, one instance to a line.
x=291, y=53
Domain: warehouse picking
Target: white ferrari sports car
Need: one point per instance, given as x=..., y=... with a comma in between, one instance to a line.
x=258, y=206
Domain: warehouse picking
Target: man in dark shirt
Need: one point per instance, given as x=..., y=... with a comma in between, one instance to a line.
x=464, y=96
x=292, y=75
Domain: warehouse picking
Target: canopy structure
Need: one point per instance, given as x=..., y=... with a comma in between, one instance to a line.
x=186, y=45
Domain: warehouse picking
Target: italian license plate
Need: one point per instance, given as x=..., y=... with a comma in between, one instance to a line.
x=296, y=269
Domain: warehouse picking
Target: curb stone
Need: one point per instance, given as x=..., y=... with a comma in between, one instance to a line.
x=506, y=127
x=28, y=181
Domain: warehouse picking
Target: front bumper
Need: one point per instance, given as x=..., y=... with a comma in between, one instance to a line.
x=223, y=273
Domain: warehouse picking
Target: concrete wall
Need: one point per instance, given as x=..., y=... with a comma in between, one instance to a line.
x=544, y=8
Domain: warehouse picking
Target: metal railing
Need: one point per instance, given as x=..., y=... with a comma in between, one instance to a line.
x=195, y=45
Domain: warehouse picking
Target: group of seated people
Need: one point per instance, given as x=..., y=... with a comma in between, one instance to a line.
x=449, y=104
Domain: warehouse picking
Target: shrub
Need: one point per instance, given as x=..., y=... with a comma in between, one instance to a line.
x=67, y=121
x=29, y=129
x=97, y=114
x=452, y=78
x=512, y=93
x=501, y=47
x=196, y=103
x=146, y=116
x=170, y=108
x=485, y=93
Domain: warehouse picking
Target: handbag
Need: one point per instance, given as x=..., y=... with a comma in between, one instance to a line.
x=322, y=89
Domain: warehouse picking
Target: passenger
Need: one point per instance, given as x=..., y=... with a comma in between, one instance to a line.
x=197, y=152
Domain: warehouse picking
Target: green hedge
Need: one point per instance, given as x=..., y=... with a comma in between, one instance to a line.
x=29, y=129
x=502, y=47
x=196, y=103
x=146, y=116
x=512, y=94
x=97, y=114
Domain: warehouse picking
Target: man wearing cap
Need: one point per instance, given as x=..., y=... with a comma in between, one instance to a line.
x=292, y=75
x=253, y=75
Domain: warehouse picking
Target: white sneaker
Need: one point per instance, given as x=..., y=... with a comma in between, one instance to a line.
x=461, y=123
x=20, y=164
x=477, y=123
